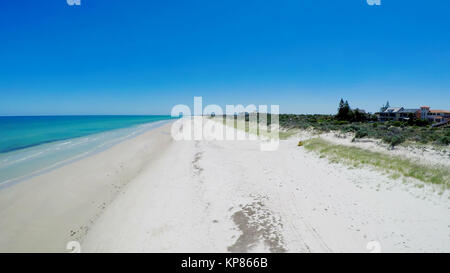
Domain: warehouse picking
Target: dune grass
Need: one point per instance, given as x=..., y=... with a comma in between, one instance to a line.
x=287, y=133
x=395, y=165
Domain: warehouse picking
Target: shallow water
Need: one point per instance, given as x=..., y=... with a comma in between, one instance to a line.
x=33, y=145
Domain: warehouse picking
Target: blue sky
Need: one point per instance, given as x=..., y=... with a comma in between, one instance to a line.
x=143, y=57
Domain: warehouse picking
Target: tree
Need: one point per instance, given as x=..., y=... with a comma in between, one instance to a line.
x=359, y=116
x=341, y=105
x=341, y=112
x=344, y=111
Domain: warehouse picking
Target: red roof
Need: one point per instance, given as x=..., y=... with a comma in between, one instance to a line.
x=440, y=111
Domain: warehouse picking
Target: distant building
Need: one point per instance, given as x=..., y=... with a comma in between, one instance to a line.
x=425, y=113
x=406, y=113
x=434, y=115
x=398, y=113
x=390, y=113
x=424, y=110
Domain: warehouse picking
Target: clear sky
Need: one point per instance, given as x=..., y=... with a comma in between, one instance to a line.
x=143, y=57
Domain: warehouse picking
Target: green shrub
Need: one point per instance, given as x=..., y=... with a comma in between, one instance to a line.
x=392, y=132
x=340, y=122
x=397, y=123
x=360, y=134
x=445, y=140
x=393, y=140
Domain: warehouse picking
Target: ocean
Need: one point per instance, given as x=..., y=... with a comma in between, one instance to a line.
x=35, y=144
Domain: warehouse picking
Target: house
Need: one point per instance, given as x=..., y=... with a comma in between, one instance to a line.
x=389, y=113
x=398, y=113
x=405, y=114
x=425, y=113
x=424, y=110
x=434, y=115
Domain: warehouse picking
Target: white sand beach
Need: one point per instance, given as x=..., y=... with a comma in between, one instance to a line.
x=154, y=194
x=49, y=210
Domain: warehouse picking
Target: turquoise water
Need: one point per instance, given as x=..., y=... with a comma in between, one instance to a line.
x=31, y=145
x=22, y=132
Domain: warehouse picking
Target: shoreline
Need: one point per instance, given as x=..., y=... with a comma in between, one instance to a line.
x=44, y=213
x=80, y=156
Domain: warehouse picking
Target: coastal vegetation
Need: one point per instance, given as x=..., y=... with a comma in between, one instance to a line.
x=395, y=165
x=366, y=125
x=359, y=123
x=391, y=132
